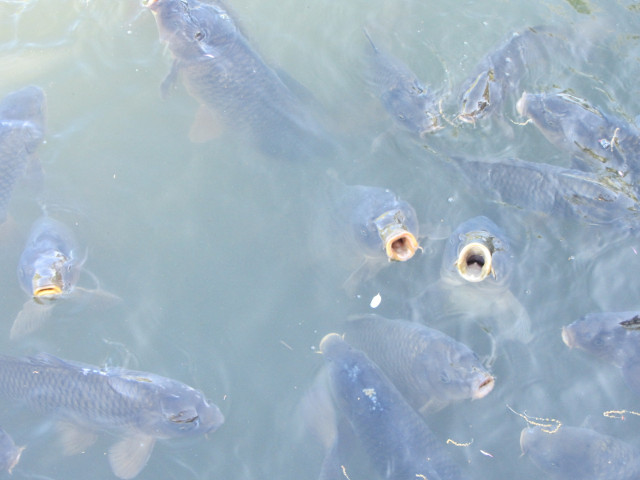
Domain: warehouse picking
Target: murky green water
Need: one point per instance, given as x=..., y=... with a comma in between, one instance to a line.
x=209, y=245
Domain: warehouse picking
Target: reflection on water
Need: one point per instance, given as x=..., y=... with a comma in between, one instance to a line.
x=208, y=244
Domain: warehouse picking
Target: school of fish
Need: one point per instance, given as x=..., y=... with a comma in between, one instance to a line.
x=380, y=381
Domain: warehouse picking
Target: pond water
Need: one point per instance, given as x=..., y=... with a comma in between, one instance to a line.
x=213, y=247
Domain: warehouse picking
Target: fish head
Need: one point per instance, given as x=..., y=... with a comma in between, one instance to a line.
x=453, y=371
x=26, y=109
x=551, y=112
x=192, y=29
x=27, y=104
x=602, y=335
x=477, y=252
x=395, y=230
x=476, y=99
x=50, y=274
x=185, y=411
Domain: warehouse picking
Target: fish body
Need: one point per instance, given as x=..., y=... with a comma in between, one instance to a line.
x=22, y=125
x=597, y=199
x=605, y=336
x=228, y=77
x=429, y=368
x=48, y=264
x=9, y=452
x=477, y=265
x=602, y=141
x=138, y=406
x=573, y=453
x=406, y=99
x=499, y=74
x=48, y=271
x=394, y=435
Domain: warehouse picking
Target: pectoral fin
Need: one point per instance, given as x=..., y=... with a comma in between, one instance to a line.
x=129, y=456
x=170, y=80
x=205, y=126
x=75, y=439
x=32, y=316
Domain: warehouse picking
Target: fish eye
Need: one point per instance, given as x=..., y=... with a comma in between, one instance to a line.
x=198, y=36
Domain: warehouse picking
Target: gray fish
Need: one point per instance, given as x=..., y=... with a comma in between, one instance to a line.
x=605, y=336
x=499, y=74
x=474, y=283
x=22, y=124
x=398, y=442
x=597, y=199
x=138, y=406
x=477, y=251
x=429, y=368
x=227, y=76
x=603, y=141
x=573, y=453
x=48, y=264
x=364, y=228
x=380, y=223
x=48, y=270
x=407, y=100
x=9, y=452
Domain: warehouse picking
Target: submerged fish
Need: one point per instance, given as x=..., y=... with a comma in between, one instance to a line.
x=396, y=438
x=499, y=74
x=606, y=336
x=226, y=75
x=48, y=269
x=573, y=453
x=477, y=251
x=602, y=141
x=365, y=228
x=474, y=282
x=407, y=100
x=22, y=124
x=140, y=407
x=430, y=369
x=598, y=199
x=9, y=452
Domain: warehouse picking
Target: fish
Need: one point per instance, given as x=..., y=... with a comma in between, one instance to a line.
x=593, y=198
x=9, y=452
x=477, y=266
x=398, y=442
x=429, y=368
x=605, y=336
x=410, y=104
x=22, y=129
x=363, y=229
x=233, y=84
x=600, y=140
x=575, y=453
x=477, y=251
x=498, y=75
x=139, y=407
x=48, y=270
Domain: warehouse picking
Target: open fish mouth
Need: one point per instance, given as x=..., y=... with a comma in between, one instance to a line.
x=567, y=337
x=401, y=246
x=47, y=291
x=484, y=388
x=474, y=262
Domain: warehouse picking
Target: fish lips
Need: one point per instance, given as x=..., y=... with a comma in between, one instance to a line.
x=483, y=386
x=568, y=337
